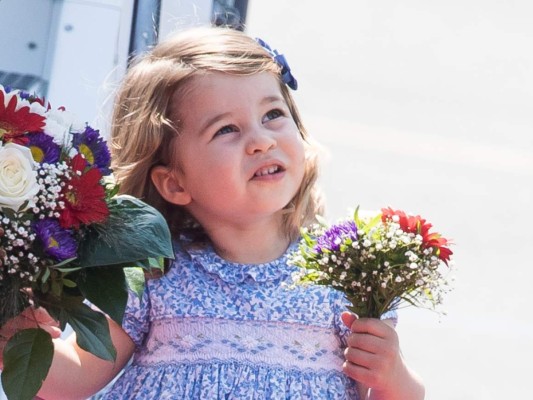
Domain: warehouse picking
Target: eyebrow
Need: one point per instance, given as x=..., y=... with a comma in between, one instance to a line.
x=213, y=121
x=273, y=99
x=219, y=117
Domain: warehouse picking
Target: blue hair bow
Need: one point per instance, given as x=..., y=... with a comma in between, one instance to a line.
x=280, y=59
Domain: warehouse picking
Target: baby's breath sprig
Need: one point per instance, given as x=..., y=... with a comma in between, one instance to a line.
x=381, y=263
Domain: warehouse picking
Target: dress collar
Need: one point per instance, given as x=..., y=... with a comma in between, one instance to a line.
x=205, y=257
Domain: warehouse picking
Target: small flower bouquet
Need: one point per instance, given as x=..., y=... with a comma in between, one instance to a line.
x=66, y=238
x=381, y=262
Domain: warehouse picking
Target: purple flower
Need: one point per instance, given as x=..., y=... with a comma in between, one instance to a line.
x=332, y=238
x=57, y=242
x=43, y=148
x=94, y=148
x=24, y=95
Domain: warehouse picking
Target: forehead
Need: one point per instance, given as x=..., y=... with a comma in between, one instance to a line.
x=222, y=92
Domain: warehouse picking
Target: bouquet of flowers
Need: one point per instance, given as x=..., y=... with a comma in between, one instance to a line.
x=381, y=262
x=66, y=238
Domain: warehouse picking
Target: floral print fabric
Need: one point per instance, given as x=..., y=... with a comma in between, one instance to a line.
x=212, y=329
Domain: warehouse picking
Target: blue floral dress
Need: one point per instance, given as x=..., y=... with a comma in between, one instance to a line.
x=212, y=329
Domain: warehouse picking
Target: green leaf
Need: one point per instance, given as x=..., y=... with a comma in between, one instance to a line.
x=372, y=223
x=56, y=288
x=135, y=279
x=92, y=331
x=67, y=270
x=64, y=262
x=134, y=231
x=112, y=189
x=27, y=359
x=144, y=264
x=9, y=213
x=68, y=283
x=157, y=263
x=46, y=275
x=12, y=300
x=106, y=288
x=356, y=218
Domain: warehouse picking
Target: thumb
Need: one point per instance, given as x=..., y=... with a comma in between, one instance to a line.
x=349, y=318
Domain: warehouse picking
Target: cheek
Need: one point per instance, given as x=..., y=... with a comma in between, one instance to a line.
x=298, y=150
x=212, y=165
x=299, y=157
x=190, y=157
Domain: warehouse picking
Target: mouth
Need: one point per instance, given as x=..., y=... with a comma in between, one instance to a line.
x=268, y=171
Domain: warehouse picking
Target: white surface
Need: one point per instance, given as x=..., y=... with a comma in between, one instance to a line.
x=90, y=53
x=24, y=45
x=426, y=106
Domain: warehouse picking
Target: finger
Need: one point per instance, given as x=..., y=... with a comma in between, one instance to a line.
x=371, y=326
x=361, y=357
x=359, y=373
x=348, y=318
x=31, y=318
x=44, y=321
x=8, y=332
x=365, y=342
x=54, y=331
x=3, y=339
x=42, y=317
x=38, y=317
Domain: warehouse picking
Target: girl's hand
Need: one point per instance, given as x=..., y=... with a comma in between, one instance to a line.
x=29, y=318
x=374, y=360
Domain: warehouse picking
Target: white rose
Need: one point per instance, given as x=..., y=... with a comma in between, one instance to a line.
x=18, y=176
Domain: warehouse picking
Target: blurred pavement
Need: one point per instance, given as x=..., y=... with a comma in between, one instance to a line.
x=426, y=106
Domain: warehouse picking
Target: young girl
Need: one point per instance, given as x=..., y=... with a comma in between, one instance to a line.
x=205, y=129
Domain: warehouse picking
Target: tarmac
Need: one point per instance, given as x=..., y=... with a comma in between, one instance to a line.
x=426, y=107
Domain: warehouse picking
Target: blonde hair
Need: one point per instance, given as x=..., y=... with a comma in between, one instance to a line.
x=142, y=131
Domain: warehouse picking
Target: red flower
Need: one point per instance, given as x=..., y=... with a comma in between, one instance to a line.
x=439, y=243
x=408, y=223
x=84, y=196
x=418, y=225
x=14, y=124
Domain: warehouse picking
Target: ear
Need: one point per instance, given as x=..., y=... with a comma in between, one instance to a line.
x=168, y=183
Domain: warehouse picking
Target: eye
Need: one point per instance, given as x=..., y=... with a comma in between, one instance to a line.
x=226, y=129
x=273, y=114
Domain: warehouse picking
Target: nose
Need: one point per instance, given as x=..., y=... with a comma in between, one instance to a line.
x=260, y=140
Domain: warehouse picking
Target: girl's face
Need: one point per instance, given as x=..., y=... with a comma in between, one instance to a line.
x=240, y=155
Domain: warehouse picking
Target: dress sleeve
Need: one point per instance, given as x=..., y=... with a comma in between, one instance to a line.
x=392, y=315
x=339, y=304
x=136, y=322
